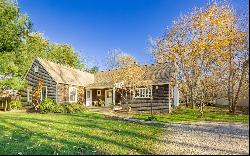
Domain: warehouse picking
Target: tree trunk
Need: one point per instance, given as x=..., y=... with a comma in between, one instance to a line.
x=186, y=100
x=235, y=101
x=192, y=98
x=201, y=109
x=229, y=97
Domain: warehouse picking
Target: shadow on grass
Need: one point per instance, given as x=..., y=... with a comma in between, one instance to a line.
x=25, y=139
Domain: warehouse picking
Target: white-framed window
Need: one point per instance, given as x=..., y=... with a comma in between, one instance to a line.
x=36, y=69
x=99, y=93
x=88, y=94
x=29, y=95
x=43, y=93
x=143, y=93
x=72, y=94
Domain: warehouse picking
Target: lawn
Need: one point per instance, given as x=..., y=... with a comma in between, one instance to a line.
x=183, y=114
x=84, y=133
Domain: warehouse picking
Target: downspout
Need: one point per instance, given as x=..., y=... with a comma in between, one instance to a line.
x=56, y=91
x=113, y=96
x=169, y=104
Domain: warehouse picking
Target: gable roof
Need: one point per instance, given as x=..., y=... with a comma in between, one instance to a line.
x=67, y=75
x=158, y=73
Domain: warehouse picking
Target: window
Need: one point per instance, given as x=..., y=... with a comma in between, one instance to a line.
x=72, y=94
x=109, y=94
x=88, y=94
x=36, y=69
x=29, y=95
x=99, y=93
x=43, y=93
x=143, y=92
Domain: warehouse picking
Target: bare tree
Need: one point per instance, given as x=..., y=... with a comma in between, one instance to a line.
x=116, y=58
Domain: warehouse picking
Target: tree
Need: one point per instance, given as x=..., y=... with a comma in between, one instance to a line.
x=125, y=60
x=64, y=54
x=93, y=69
x=13, y=30
x=34, y=46
x=14, y=26
x=9, y=78
x=131, y=75
x=118, y=59
x=197, y=45
x=19, y=47
x=111, y=60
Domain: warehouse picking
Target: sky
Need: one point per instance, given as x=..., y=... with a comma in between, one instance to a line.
x=93, y=27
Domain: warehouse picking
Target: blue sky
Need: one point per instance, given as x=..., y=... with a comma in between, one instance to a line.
x=93, y=27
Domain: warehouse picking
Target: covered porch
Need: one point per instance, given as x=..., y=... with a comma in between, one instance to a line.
x=101, y=95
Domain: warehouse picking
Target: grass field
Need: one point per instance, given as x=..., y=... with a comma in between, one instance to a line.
x=183, y=114
x=85, y=133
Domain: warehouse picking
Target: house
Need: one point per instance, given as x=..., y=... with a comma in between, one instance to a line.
x=60, y=83
x=65, y=84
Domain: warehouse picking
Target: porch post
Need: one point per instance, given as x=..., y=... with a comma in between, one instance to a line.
x=113, y=95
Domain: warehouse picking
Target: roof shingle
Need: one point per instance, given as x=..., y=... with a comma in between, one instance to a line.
x=67, y=75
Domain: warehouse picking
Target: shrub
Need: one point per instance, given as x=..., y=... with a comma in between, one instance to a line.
x=48, y=106
x=74, y=107
x=68, y=108
x=101, y=102
x=151, y=118
x=111, y=105
x=15, y=104
x=59, y=109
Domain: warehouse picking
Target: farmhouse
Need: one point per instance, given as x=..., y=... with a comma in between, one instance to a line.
x=66, y=85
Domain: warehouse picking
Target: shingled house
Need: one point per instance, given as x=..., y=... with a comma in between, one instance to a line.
x=62, y=84
x=65, y=84
x=160, y=90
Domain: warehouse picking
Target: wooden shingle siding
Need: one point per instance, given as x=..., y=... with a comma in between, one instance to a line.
x=95, y=97
x=33, y=77
x=160, y=101
x=62, y=93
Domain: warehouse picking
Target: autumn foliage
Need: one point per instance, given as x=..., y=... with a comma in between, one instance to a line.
x=208, y=49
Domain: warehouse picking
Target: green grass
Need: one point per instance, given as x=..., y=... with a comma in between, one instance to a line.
x=183, y=114
x=83, y=133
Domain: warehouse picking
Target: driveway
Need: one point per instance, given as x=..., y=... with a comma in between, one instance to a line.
x=200, y=138
x=207, y=138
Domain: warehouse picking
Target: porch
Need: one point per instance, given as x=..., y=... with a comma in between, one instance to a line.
x=101, y=97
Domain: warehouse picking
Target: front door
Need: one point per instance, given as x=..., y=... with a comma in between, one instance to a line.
x=88, y=97
x=108, y=97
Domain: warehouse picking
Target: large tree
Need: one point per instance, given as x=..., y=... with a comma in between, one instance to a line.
x=14, y=27
x=116, y=58
x=200, y=45
x=64, y=54
x=19, y=46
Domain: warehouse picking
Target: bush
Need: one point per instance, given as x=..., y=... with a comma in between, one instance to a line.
x=48, y=106
x=59, y=109
x=101, y=102
x=151, y=118
x=15, y=104
x=68, y=108
x=111, y=105
x=74, y=107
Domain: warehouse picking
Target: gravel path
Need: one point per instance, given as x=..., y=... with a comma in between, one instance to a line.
x=207, y=138
x=201, y=138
